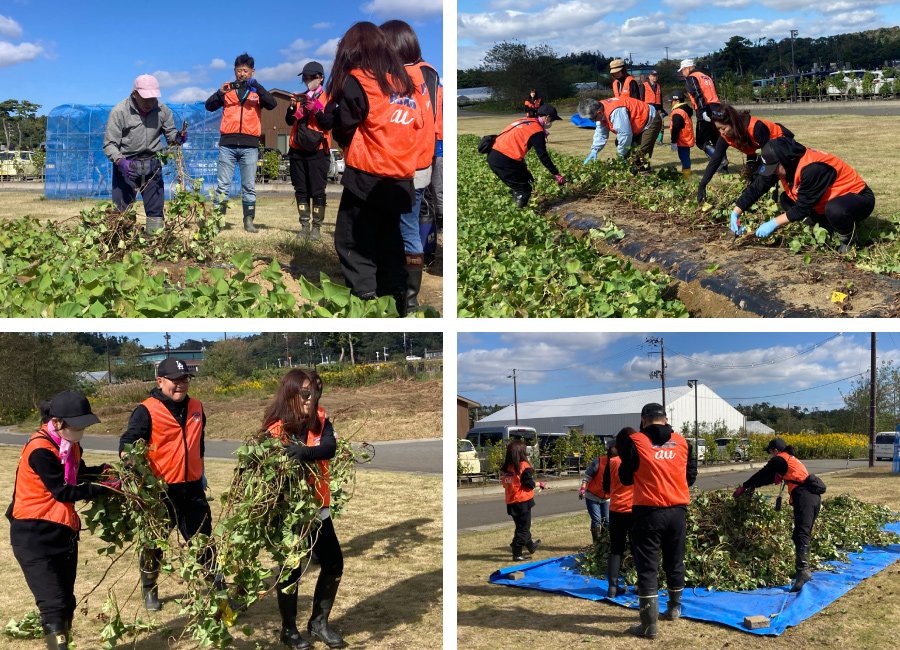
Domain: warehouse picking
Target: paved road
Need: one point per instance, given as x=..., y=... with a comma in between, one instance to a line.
x=417, y=456
x=487, y=510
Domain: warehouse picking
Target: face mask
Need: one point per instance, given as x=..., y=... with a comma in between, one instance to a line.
x=72, y=435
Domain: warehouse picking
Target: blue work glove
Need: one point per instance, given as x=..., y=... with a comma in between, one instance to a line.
x=674, y=146
x=736, y=226
x=591, y=156
x=124, y=166
x=251, y=84
x=766, y=229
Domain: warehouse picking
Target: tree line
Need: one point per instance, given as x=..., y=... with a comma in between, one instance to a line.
x=22, y=128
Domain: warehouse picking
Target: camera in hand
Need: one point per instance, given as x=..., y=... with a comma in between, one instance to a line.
x=237, y=85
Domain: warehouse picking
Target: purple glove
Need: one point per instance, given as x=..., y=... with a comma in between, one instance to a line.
x=739, y=491
x=181, y=138
x=313, y=105
x=560, y=179
x=125, y=167
x=778, y=478
x=542, y=485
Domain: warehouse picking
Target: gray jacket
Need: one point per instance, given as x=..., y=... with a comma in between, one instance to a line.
x=130, y=135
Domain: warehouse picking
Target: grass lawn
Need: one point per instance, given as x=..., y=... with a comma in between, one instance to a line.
x=390, y=596
x=491, y=616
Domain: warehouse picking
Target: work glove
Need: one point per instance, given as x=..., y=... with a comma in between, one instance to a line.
x=560, y=179
x=741, y=490
x=591, y=156
x=298, y=453
x=701, y=193
x=778, y=478
x=124, y=166
x=736, y=226
x=674, y=147
x=542, y=485
x=251, y=85
x=766, y=229
x=581, y=494
x=180, y=138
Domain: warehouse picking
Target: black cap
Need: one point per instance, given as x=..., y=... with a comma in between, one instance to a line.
x=653, y=410
x=777, y=444
x=172, y=368
x=677, y=97
x=653, y=72
x=779, y=150
x=550, y=110
x=312, y=69
x=72, y=408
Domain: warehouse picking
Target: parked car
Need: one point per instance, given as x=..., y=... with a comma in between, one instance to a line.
x=336, y=168
x=884, y=445
x=741, y=449
x=17, y=165
x=701, y=448
x=467, y=457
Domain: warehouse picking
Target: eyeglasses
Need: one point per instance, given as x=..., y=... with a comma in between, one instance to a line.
x=305, y=395
x=180, y=380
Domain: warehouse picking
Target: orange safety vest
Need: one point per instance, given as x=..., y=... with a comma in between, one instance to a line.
x=425, y=137
x=595, y=485
x=660, y=480
x=439, y=118
x=775, y=131
x=638, y=112
x=241, y=117
x=313, y=125
x=513, y=141
x=622, y=87
x=686, y=135
x=512, y=484
x=174, y=452
x=385, y=143
x=847, y=181
x=796, y=473
x=533, y=104
x=620, y=496
x=652, y=96
x=707, y=89
x=320, y=481
x=31, y=498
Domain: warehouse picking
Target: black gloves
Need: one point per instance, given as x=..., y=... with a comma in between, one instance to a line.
x=701, y=194
x=298, y=453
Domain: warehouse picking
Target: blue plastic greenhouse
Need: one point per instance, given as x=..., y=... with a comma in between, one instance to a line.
x=77, y=167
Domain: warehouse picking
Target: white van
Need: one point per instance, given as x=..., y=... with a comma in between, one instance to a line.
x=884, y=445
x=467, y=461
x=483, y=435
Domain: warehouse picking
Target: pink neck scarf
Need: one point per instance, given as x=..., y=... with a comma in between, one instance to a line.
x=65, y=454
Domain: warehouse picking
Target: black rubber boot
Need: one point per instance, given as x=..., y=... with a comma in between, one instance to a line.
x=249, y=216
x=613, y=564
x=673, y=611
x=318, y=218
x=649, y=613
x=303, y=213
x=55, y=636
x=596, y=533
x=149, y=561
x=323, y=600
x=521, y=199
x=803, y=574
x=847, y=242
x=517, y=555
x=290, y=635
x=414, y=266
x=532, y=546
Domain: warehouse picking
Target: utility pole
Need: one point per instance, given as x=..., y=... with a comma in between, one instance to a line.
x=515, y=395
x=108, y=361
x=693, y=384
x=661, y=373
x=793, y=36
x=350, y=341
x=167, y=336
x=287, y=353
x=872, y=397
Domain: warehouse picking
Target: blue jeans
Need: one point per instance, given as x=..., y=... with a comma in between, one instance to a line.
x=409, y=227
x=684, y=155
x=598, y=511
x=245, y=158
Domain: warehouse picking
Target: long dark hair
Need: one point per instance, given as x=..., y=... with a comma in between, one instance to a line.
x=739, y=123
x=515, y=454
x=404, y=40
x=285, y=406
x=366, y=47
x=622, y=436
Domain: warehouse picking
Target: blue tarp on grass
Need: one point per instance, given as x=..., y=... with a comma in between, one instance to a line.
x=583, y=122
x=784, y=609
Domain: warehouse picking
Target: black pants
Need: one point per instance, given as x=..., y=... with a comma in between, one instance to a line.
x=619, y=531
x=309, y=176
x=653, y=529
x=51, y=579
x=706, y=133
x=148, y=182
x=189, y=512
x=806, y=509
x=327, y=550
x=514, y=173
x=842, y=213
x=646, y=140
x=521, y=516
x=370, y=247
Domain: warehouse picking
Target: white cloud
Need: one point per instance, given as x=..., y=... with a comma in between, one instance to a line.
x=543, y=26
x=395, y=8
x=10, y=28
x=322, y=25
x=328, y=48
x=218, y=64
x=295, y=48
x=645, y=26
x=190, y=94
x=854, y=19
x=169, y=79
x=13, y=54
x=683, y=5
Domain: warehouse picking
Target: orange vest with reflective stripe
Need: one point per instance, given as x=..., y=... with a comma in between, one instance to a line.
x=652, y=96
x=31, y=498
x=686, y=135
x=846, y=182
x=512, y=484
x=319, y=481
x=240, y=117
x=796, y=473
x=384, y=144
x=513, y=142
x=775, y=131
x=439, y=118
x=638, y=112
x=620, y=496
x=312, y=124
x=174, y=453
x=595, y=485
x=661, y=477
x=425, y=137
x=622, y=87
x=707, y=88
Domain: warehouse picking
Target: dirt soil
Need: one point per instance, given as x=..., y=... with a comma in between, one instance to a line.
x=755, y=279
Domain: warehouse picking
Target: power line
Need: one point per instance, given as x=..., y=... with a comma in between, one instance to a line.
x=802, y=390
x=760, y=363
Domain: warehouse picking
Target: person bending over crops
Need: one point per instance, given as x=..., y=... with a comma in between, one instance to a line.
x=785, y=468
x=635, y=124
x=43, y=524
x=658, y=462
x=819, y=189
x=173, y=425
x=745, y=133
x=595, y=497
x=507, y=155
x=296, y=418
x=377, y=114
x=517, y=477
x=619, y=512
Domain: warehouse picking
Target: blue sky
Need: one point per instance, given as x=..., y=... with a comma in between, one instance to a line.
x=757, y=367
x=54, y=53
x=153, y=339
x=645, y=28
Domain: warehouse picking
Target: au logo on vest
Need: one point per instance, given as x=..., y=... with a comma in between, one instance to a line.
x=664, y=454
x=401, y=116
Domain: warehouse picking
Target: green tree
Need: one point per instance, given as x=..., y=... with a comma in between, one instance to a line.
x=227, y=361
x=514, y=68
x=887, y=398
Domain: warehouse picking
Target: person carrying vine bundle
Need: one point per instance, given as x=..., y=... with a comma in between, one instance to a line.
x=173, y=424
x=296, y=418
x=745, y=133
x=507, y=156
x=133, y=137
x=377, y=114
x=620, y=497
x=517, y=477
x=819, y=189
x=804, y=493
x=659, y=463
x=595, y=497
x=43, y=525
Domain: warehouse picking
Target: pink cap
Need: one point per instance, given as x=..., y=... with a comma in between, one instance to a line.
x=147, y=86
